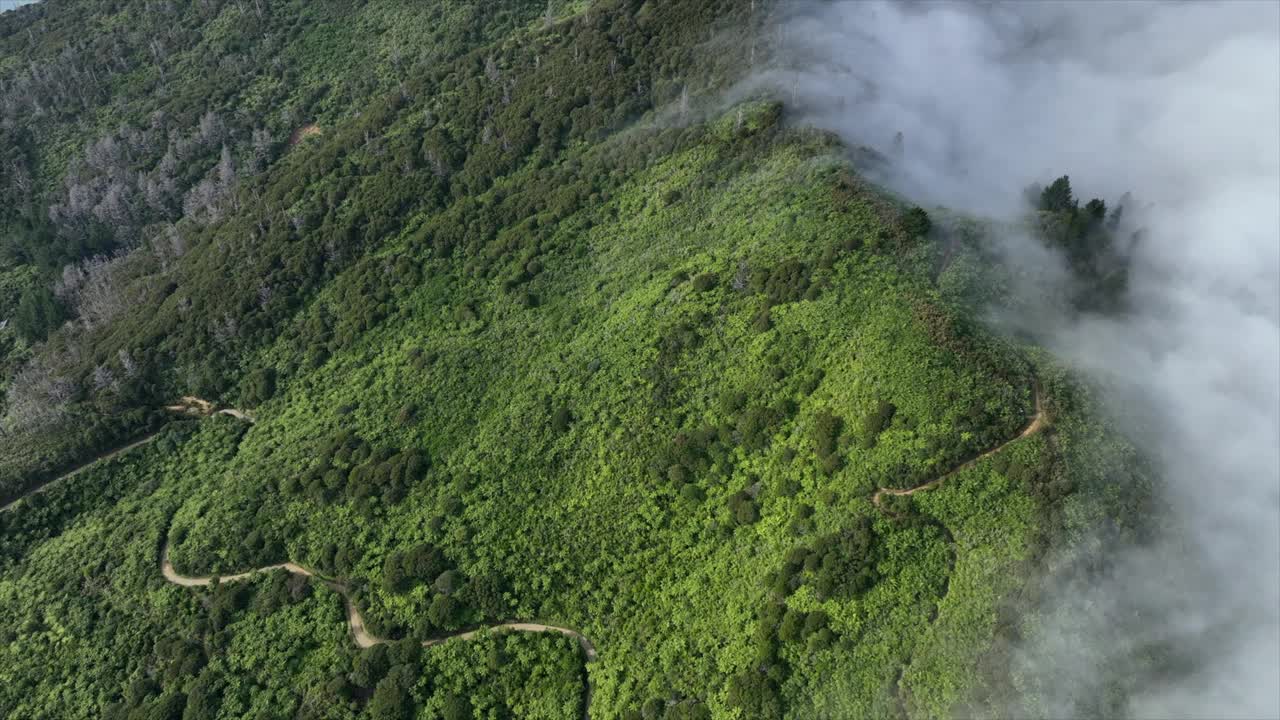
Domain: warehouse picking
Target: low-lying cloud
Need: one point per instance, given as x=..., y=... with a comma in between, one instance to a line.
x=1180, y=104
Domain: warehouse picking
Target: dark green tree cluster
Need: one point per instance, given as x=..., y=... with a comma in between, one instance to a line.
x=349, y=468
x=796, y=626
x=681, y=337
x=692, y=454
x=281, y=588
x=838, y=564
x=1038, y=479
x=791, y=280
x=876, y=422
x=786, y=282
x=705, y=453
x=422, y=563
x=756, y=424
x=1087, y=238
x=39, y=312
x=259, y=386
x=826, y=440
x=743, y=508
x=916, y=223
x=454, y=598
x=669, y=708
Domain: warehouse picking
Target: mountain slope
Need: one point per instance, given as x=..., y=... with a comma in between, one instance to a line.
x=530, y=335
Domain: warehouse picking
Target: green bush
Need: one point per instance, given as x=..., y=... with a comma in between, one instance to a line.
x=875, y=423
x=916, y=223
x=826, y=435
x=704, y=282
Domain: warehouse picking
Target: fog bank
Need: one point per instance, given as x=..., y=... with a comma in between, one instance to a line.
x=1180, y=104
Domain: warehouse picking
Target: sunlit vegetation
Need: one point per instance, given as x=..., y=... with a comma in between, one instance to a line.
x=528, y=335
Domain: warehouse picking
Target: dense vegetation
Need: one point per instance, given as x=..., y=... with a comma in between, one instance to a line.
x=91, y=630
x=534, y=328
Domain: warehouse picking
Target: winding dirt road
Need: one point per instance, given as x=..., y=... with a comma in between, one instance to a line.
x=1037, y=423
x=360, y=634
x=190, y=405
x=355, y=621
x=364, y=639
x=79, y=469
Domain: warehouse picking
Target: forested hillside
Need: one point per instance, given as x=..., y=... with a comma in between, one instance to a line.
x=530, y=319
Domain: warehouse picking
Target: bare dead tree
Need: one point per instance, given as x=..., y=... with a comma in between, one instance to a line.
x=38, y=396
x=104, y=379
x=115, y=210
x=20, y=177
x=127, y=363
x=104, y=154
x=263, y=151
x=168, y=246
x=227, y=178
x=100, y=296
x=225, y=330
x=201, y=202
x=438, y=166
x=211, y=128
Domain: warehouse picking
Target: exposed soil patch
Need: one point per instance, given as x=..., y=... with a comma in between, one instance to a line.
x=303, y=133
